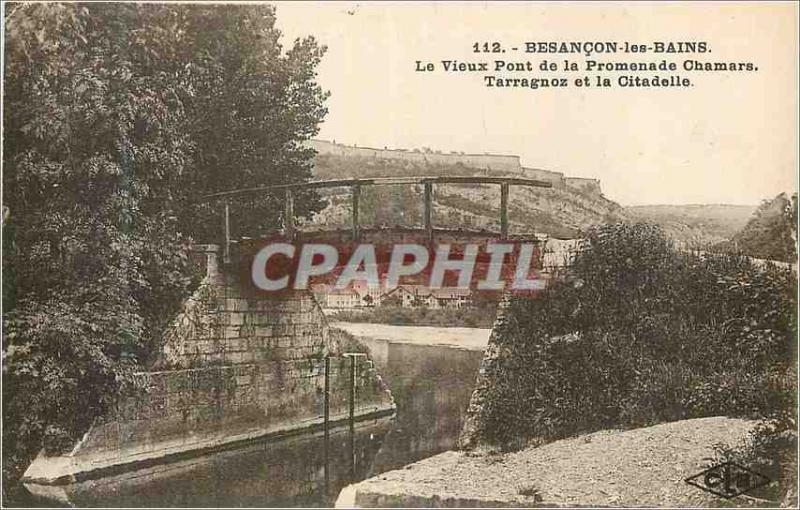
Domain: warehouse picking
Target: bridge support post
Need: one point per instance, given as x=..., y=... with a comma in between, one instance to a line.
x=352, y=417
x=356, y=199
x=353, y=384
x=226, y=255
x=504, y=210
x=428, y=211
x=288, y=216
x=326, y=418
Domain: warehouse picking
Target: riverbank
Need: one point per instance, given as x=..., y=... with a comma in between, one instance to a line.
x=640, y=467
x=465, y=338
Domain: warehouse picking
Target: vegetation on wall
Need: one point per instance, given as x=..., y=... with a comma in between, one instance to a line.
x=640, y=333
x=118, y=118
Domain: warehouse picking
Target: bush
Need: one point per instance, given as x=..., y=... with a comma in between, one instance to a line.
x=638, y=333
x=770, y=450
x=344, y=342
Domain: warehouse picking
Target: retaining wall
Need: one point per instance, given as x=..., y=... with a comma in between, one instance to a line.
x=235, y=367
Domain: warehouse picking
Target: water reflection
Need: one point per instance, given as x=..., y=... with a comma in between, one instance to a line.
x=290, y=472
x=431, y=387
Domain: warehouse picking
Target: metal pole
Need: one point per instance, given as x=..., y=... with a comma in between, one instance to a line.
x=356, y=199
x=327, y=418
x=288, y=215
x=352, y=393
x=327, y=395
x=227, y=254
x=428, y=211
x=504, y=210
x=352, y=418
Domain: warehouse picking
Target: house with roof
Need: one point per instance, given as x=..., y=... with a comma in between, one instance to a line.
x=451, y=297
x=420, y=296
x=338, y=299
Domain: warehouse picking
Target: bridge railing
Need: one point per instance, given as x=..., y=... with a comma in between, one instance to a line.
x=356, y=185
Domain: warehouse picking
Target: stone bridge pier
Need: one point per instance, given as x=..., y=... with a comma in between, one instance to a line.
x=235, y=367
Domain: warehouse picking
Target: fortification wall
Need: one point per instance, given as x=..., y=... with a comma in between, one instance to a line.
x=556, y=178
x=484, y=161
x=497, y=162
x=591, y=186
x=235, y=367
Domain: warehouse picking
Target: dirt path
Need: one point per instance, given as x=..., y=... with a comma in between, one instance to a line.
x=641, y=467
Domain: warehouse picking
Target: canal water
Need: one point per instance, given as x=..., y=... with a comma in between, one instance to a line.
x=431, y=386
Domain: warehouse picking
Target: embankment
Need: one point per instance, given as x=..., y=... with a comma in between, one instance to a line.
x=236, y=367
x=643, y=467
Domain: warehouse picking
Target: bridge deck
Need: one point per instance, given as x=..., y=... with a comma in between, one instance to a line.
x=355, y=185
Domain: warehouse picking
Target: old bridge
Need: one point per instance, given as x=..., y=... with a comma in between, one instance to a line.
x=357, y=231
x=236, y=366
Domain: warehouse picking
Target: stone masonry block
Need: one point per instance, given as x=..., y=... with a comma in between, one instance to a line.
x=236, y=318
x=236, y=304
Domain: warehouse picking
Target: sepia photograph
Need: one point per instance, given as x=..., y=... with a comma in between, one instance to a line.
x=396, y=254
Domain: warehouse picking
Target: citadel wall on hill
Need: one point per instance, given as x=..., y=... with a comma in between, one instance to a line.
x=489, y=161
x=497, y=163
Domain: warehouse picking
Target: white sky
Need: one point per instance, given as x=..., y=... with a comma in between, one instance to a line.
x=730, y=139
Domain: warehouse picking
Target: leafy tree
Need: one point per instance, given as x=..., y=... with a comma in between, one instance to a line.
x=118, y=118
x=771, y=233
x=250, y=105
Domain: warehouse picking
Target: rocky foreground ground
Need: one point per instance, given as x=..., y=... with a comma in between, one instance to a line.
x=640, y=467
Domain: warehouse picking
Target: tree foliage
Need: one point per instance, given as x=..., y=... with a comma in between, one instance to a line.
x=118, y=118
x=771, y=233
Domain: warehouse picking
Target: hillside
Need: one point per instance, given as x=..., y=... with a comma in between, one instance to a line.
x=770, y=233
x=563, y=211
x=695, y=226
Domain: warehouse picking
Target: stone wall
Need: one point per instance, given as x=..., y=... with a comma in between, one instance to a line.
x=555, y=178
x=222, y=323
x=190, y=409
x=586, y=185
x=485, y=161
x=501, y=163
x=490, y=363
x=235, y=367
x=286, y=473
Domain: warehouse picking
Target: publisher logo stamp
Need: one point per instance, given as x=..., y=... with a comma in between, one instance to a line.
x=728, y=480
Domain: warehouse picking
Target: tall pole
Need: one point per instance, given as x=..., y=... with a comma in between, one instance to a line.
x=428, y=210
x=327, y=419
x=504, y=210
x=353, y=418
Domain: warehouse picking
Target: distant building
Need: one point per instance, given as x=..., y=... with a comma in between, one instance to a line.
x=452, y=297
x=340, y=299
x=370, y=296
x=405, y=296
x=419, y=296
x=400, y=296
